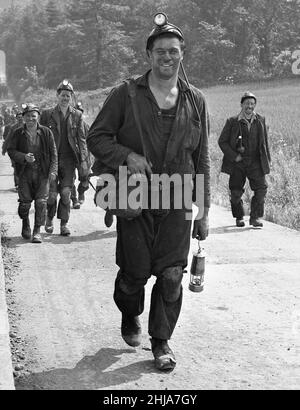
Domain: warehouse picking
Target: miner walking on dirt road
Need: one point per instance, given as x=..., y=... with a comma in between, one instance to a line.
x=33, y=150
x=175, y=141
x=244, y=142
x=67, y=126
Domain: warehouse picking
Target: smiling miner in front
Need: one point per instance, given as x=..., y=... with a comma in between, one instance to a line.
x=173, y=141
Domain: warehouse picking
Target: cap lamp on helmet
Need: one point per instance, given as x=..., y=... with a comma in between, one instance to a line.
x=162, y=26
x=29, y=108
x=79, y=106
x=65, y=85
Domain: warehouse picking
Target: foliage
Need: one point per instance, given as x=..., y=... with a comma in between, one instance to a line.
x=96, y=43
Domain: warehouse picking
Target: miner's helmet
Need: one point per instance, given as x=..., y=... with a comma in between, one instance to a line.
x=65, y=85
x=162, y=26
x=246, y=95
x=79, y=106
x=29, y=108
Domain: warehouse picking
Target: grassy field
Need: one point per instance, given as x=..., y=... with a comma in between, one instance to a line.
x=279, y=102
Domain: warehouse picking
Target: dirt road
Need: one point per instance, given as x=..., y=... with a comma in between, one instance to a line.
x=242, y=332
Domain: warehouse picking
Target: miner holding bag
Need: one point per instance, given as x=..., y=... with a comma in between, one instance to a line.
x=162, y=130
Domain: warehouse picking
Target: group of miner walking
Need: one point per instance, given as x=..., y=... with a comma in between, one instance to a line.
x=46, y=149
x=165, y=131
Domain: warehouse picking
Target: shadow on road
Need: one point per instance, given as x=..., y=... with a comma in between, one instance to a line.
x=89, y=374
x=92, y=236
x=4, y=191
x=15, y=241
x=228, y=229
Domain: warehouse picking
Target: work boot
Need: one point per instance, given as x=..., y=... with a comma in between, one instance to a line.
x=26, y=231
x=64, y=230
x=108, y=218
x=240, y=222
x=81, y=198
x=76, y=204
x=36, y=235
x=256, y=222
x=49, y=225
x=131, y=330
x=164, y=358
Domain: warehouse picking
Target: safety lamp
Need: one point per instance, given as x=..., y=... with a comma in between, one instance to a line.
x=65, y=82
x=24, y=106
x=197, y=270
x=160, y=19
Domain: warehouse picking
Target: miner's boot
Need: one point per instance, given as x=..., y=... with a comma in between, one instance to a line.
x=26, y=231
x=240, y=222
x=49, y=225
x=256, y=222
x=64, y=230
x=164, y=358
x=36, y=235
x=131, y=330
x=81, y=198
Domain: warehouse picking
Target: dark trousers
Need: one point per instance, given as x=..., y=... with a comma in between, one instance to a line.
x=16, y=178
x=152, y=245
x=33, y=187
x=258, y=184
x=62, y=186
x=82, y=186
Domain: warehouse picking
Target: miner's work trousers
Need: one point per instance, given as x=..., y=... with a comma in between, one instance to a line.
x=33, y=187
x=62, y=186
x=258, y=184
x=152, y=244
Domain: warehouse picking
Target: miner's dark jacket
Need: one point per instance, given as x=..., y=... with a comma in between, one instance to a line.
x=18, y=148
x=114, y=133
x=228, y=139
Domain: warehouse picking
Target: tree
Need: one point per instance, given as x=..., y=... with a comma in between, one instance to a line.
x=104, y=46
x=55, y=15
x=61, y=61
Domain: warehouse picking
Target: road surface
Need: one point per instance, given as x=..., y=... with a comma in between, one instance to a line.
x=241, y=332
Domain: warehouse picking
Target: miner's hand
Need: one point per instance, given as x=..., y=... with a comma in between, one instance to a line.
x=200, y=228
x=137, y=164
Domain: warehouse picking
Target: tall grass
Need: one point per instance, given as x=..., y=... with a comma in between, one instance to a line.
x=279, y=102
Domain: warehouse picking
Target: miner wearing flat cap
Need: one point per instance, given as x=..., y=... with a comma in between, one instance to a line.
x=33, y=150
x=244, y=143
x=151, y=125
